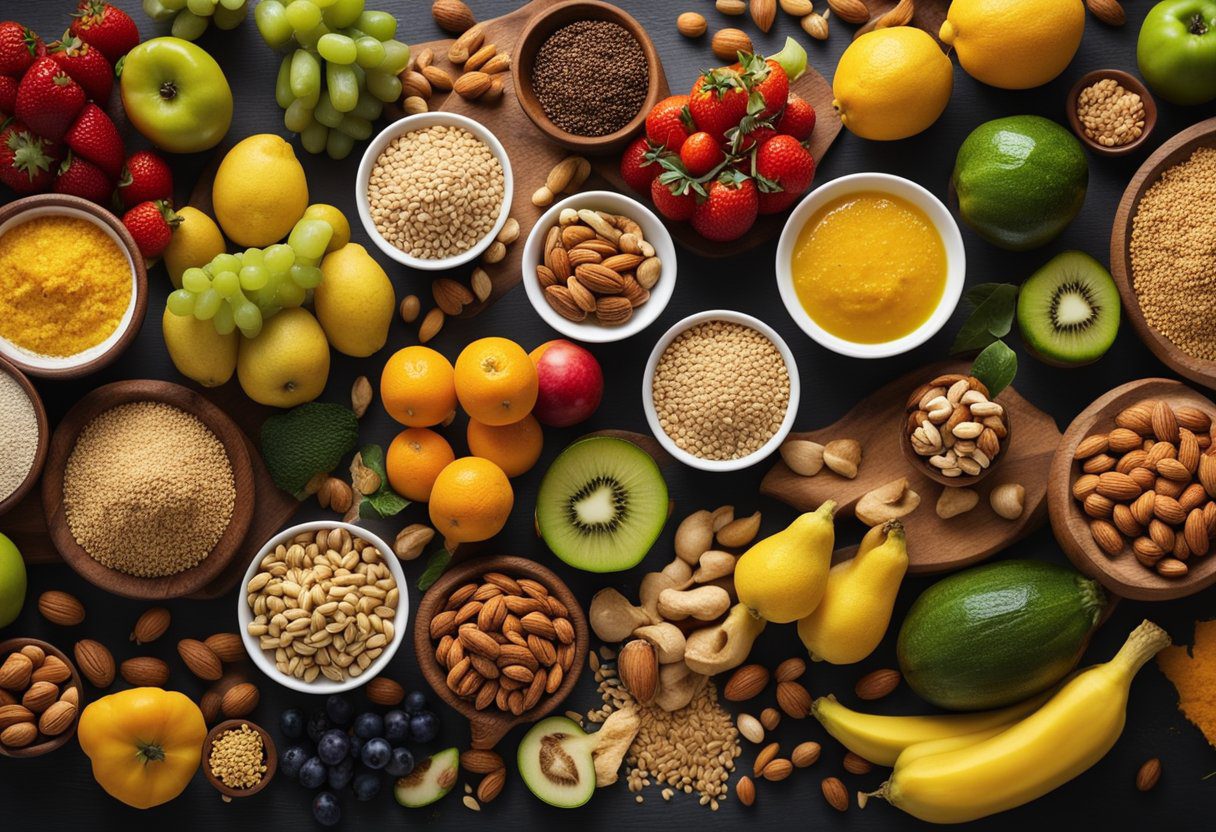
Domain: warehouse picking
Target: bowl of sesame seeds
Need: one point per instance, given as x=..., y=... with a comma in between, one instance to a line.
x=721, y=390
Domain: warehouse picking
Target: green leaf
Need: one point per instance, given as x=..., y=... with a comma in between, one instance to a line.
x=993, y=306
x=436, y=565
x=385, y=502
x=995, y=366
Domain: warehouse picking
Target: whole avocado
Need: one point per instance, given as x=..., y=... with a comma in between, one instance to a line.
x=306, y=441
x=1020, y=181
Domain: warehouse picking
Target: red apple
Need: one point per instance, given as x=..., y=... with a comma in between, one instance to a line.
x=571, y=383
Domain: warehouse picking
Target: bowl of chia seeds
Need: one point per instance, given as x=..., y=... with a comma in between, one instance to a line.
x=586, y=74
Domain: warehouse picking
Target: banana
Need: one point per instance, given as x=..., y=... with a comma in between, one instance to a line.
x=1071, y=732
x=941, y=746
x=881, y=739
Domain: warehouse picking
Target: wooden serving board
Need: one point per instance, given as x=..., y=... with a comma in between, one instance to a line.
x=934, y=545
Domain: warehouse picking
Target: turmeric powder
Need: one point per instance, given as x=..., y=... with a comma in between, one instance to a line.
x=64, y=285
x=1193, y=672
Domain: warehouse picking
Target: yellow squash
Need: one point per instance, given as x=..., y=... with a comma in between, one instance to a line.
x=856, y=608
x=145, y=744
x=782, y=578
x=1071, y=732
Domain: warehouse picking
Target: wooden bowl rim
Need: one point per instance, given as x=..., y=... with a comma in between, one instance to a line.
x=63, y=442
x=14, y=644
x=44, y=436
x=269, y=752
x=1130, y=83
x=140, y=307
x=1180, y=146
x=489, y=726
x=544, y=24
x=905, y=445
x=1065, y=512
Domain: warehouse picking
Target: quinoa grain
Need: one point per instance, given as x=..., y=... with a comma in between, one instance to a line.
x=238, y=758
x=1111, y=115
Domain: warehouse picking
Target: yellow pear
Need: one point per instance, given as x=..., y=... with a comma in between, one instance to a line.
x=287, y=363
x=355, y=301
x=260, y=191
x=856, y=608
x=782, y=578
x=198, y=351
x=195, y=242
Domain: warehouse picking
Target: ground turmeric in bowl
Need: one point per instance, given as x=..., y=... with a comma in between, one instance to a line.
x=65, y=285
x=1193, y=672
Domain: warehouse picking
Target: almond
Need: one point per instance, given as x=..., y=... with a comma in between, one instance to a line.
x=35, y=654
x=1097, y=506
x=613, y=310
x=1168, y=510
x=791, y=670
x=562, y=301
x=1122, y=440
x=450, y=296
x=581, y=295
x=432, y=322
x=71, y=694
x=453, y=16
x=200, y=659
x=1138, y=417
x=1173, y=469
x=856, y=764
x=764, y=12
x=766, y=756
x=209, y=704
x=1148, y=775
x=57, y=718
x=1192, y=497
x=385, y=691
x=481, y=284
x=1084, y=485
x=1188, y=450
x=726, y=43
x=638, y=667
x=1106, y=536
x=480, y=761
x=95, y=662
x=1195, y=531
x=793, y=699
x=835, y=793
x=1126, y=522
x=1171, y=568
x=439, y=79
x=52, y=669
x=15, y=672
x=850, y=11
x=464, y=46
x=144, y=671
x=1165, y=426
x=40, y=696
x=480, y=58
x=1109, y=12
x=240, y=700
x=805, y=754
x=877, y=684
x=599, y=278
x=151, y=625
x=19, y=735
x=60, y=608
x=491, y=785
x=745, y=790
x=777, y=770
x=770, y=718
x=745, y=683
x=227, y=646
x=1193, y=419
x=14, y=715
x=472, y=85
x=1098, y=464
x=1118, y=487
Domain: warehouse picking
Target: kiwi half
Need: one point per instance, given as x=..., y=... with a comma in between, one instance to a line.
x=602, y=504
x=1068, y=311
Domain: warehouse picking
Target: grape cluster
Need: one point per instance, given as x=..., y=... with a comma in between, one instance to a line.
x=192, y=17
x=241, y=290
x=341, y=69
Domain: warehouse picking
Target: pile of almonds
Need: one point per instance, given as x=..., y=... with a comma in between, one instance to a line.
x=478, y=72
x=493, y=773
x=952, y=424
x=38, y=700
x=1151, y=482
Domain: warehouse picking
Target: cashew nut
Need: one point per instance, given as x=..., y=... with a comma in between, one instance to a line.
x=705, y=603
x=679, y=572
x=677, y=686
x=887, y=502
x=714, y=565
x=721, y=516
x=694, y=536
x=956, y=501
x=739, y=533
x=612, y=743
x=725, y=646
x=613, y=618
x=666, y=638
x=802, y=456
x=843, y=456
x=1008, y=500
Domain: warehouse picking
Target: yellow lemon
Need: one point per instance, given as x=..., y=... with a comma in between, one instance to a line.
x=195, y=242
x=198, y=351
x=337, y=221
x=892, y=83
x=355, y=301
x=260, y=191
x=1014, y=44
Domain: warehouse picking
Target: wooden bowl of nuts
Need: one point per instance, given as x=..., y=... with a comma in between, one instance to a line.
x=1111, y=111
x=1132, y=491
x=952, y=432
x=239, y=758
x=40, y=698
x=502, y=641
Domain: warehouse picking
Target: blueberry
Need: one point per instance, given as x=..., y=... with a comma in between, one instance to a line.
x=368, y=725
x=415, y=701
x=356, y=746
x=339, y=709
x=376, y=753
x=424, y=726
x=291, y=760
x=396, y=726
x=333, y=746
x=341, y=773
x=326, y=810
x=312, y=773
x=401, y=764
x=291, y=723
x=318, y=724
x=366, y=785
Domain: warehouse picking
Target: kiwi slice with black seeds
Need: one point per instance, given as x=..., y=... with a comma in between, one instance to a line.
x=1068, y=311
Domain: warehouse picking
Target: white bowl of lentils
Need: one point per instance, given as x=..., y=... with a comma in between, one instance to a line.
x=721, y=390
x=434, y=190
x=368, y=630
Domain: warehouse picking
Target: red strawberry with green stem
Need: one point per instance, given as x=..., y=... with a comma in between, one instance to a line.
x=719, y=101
x=639, y=164
x=19, y=47
x=729, y=209
x=87, y=66
x=26, y=159
x=765, y=78
x=145, y=177
x=677, y=204
x=669, y=123
x=151, y=224
x=94, y=137
x=700, y=154
x=783, y=170
x=797, y=119
x=48, y=100
x=106, y=28
x=80, y=177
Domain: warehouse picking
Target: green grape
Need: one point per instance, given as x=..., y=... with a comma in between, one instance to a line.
x=278, y=258
x=248, y=317
x=309, y=238
x=195, y=281
x=343, y=13
x=202, y=8
x=222, y=320
x=314, y=137
x=384, y=86
x=324, y=4
x=342, y=86
x=252, y=257
x=338, y=49
x=181, y=302
x=380, y=25
x=297, y=116
x=289, y=293
x=369, y=52
x=173, y=5
x=207, y=304
x=225, y=263
x=338, y=145
x=283, y=95
x=253, y=277
x=227, y=19
x=227, y=284
x=271, y=19
x=303, y=15
x=305, y=74
x=369, y=107
x=308, y=39
x=307, y=261
x=157, y=10
x=188, y=25
x=396, y=57
x=360, y=75
x=233, y=5
x=306, y=277
x=325, y=112
x=355, y=127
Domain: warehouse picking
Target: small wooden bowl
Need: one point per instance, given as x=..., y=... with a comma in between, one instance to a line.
x=269, y=753
x=1122, y=574
x=48, y=745
x=44, y=437
x=537, y=31
x=963, y=481
x=99, y=356
x=62, y=443
x=491, y=725
x=1175, y=150
x=1130, y=83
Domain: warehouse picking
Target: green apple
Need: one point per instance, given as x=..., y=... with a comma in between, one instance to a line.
x=12, y=582
x=176, y=95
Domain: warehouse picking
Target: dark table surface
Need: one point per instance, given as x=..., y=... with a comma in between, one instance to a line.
x=57, y=791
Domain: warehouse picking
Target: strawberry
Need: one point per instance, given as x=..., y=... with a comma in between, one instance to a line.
x=48, y=99
x=784, y=170
x=767, y=78
x=797, y=119
x=87, y=66
x=18, y=48
x=145, y=177
x=677, y=204
x=669, y=123
x=8, y=96
x=719, y=101
x=758, y=135
x=639, y=165
x=151, y=223
x=729, y=210
x=701, y=154
x=105, y=28
x=26, y=159
x=94, y=137
x=79, y=177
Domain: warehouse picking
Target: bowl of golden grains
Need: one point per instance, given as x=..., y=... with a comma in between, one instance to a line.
x=1111, y=111
x=239, y=758
x=720, y=390
x=73, y=286
x=148, y=489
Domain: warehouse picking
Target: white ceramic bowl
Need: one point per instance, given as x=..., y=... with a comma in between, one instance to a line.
x=654, y=233
x=652, y=415
x=947, y=228
x=408, y=125
x=264, y=659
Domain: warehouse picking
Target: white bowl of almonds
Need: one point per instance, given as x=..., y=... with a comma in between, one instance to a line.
x=599, y=267
x=324, y=607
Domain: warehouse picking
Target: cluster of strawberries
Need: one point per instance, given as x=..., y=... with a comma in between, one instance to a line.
x=734, y=148
x=55, y=134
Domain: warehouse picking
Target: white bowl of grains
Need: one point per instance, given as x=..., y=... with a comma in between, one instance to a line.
x=299, y=574
x=434, y=190
x=721, y=390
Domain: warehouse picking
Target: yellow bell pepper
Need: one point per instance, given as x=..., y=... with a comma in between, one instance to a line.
x=145, y=744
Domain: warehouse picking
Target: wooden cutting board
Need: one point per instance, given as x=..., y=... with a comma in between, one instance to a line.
x=934, y=545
